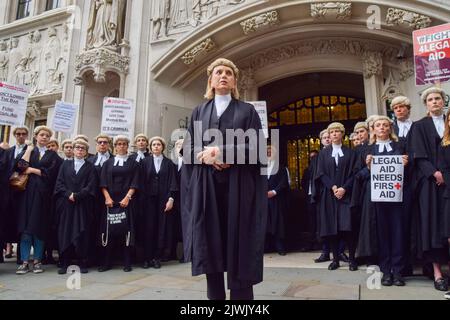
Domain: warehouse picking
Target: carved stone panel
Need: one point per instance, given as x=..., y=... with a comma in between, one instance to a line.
x=264, y=20
x=334, y=10
x=35, y=59
x=410, y=19
x=199, y=50
x=100, y=61
x=372, y=64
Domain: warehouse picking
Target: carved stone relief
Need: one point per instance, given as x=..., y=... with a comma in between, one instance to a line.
x=407, y=18
x=100, y=61
x=201, y=49
x=35, y=60
x=335, y=10
x=261, y=21
x=186, y=14
x=4, y=61
x=372, y=64
x=320, y=47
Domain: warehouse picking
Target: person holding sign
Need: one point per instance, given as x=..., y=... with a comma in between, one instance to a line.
x=390, y=216
x=427, y=135
x=40, y=165
x=119, y=181
x=75, y=191
x=336, y=169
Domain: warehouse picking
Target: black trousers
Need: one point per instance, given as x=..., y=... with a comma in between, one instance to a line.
x=118, y=243
x=216, y=289
x=391, y=237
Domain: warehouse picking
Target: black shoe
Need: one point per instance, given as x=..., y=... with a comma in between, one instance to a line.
x=157, y=264
x=282, y=253
x=398, y=280
x=62, y=270
x=353, y=266
x=127, y=269
x=334, y=265
x=8, y=256
x=343, y=257
x=387, y=280
x=323, y=258
x=104, y=268
x=146, y=265
x=441, y=284
x=447, y=295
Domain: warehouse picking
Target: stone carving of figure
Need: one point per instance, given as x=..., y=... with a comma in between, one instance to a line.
x=106, y=24
x=22, y=71
x=14, y=59
x=4, y=60
x=181, y=14
x=160, y=18
x=52, y=60
x=206, y=9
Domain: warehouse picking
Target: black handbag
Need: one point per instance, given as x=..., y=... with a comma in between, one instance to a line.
x=117, y=224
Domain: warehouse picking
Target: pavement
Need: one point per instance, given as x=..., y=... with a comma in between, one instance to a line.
x=291, y=277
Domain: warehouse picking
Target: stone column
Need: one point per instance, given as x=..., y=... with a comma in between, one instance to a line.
x=373, y=82
x=247, y=85
x=5, y=9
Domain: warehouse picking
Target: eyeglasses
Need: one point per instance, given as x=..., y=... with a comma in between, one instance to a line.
x=80, y=148
x=102, y=142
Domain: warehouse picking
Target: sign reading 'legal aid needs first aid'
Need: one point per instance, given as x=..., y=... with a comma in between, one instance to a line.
x=387, y=178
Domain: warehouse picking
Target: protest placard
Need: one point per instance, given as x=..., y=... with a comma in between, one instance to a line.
x=386, y=173
x=118, y=117
x=13, y=104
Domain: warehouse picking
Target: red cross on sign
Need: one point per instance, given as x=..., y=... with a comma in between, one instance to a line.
x=398, y=186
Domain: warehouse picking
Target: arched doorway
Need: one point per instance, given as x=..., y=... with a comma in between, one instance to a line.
x=300, y=107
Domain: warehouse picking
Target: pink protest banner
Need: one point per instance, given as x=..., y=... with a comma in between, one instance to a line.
x=432, y=54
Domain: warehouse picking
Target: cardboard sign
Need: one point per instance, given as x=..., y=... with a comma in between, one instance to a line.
x=387, y=178
x=13, y=104
x=432, y=54
x=64, y=117
x=118, y=117
x=261, y=108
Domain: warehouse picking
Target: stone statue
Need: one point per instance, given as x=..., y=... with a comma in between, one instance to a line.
x=51, y=59
x=4, y=61
x=160, y=18
x=14, y=59
x=181, y=14
x=106, y=24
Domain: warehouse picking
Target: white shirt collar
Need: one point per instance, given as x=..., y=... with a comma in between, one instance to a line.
x=439, y=124
x=180, y=163
x=157, y=162
x=42, y=150
x=222, y=103
x=78, y=163
x=337, y=152
x=406, y=122
x=140, y=155
x=101, y=158
x=384, y=145
x=119, y=160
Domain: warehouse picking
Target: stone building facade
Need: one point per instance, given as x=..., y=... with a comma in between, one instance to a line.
x=299, y=56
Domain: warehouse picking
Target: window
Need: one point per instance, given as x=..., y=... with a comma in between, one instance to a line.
x=52, y=4
x=23, y=9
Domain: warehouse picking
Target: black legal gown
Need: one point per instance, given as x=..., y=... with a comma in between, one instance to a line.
x=335, y=215
x=426, y=142
x=75, y=218
x=444, y=167
x=368, y=240
x=277, y=205
x=34, y=202
x=4, y=186
x=158, y=188
x=240, y=252
x=118, y=180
